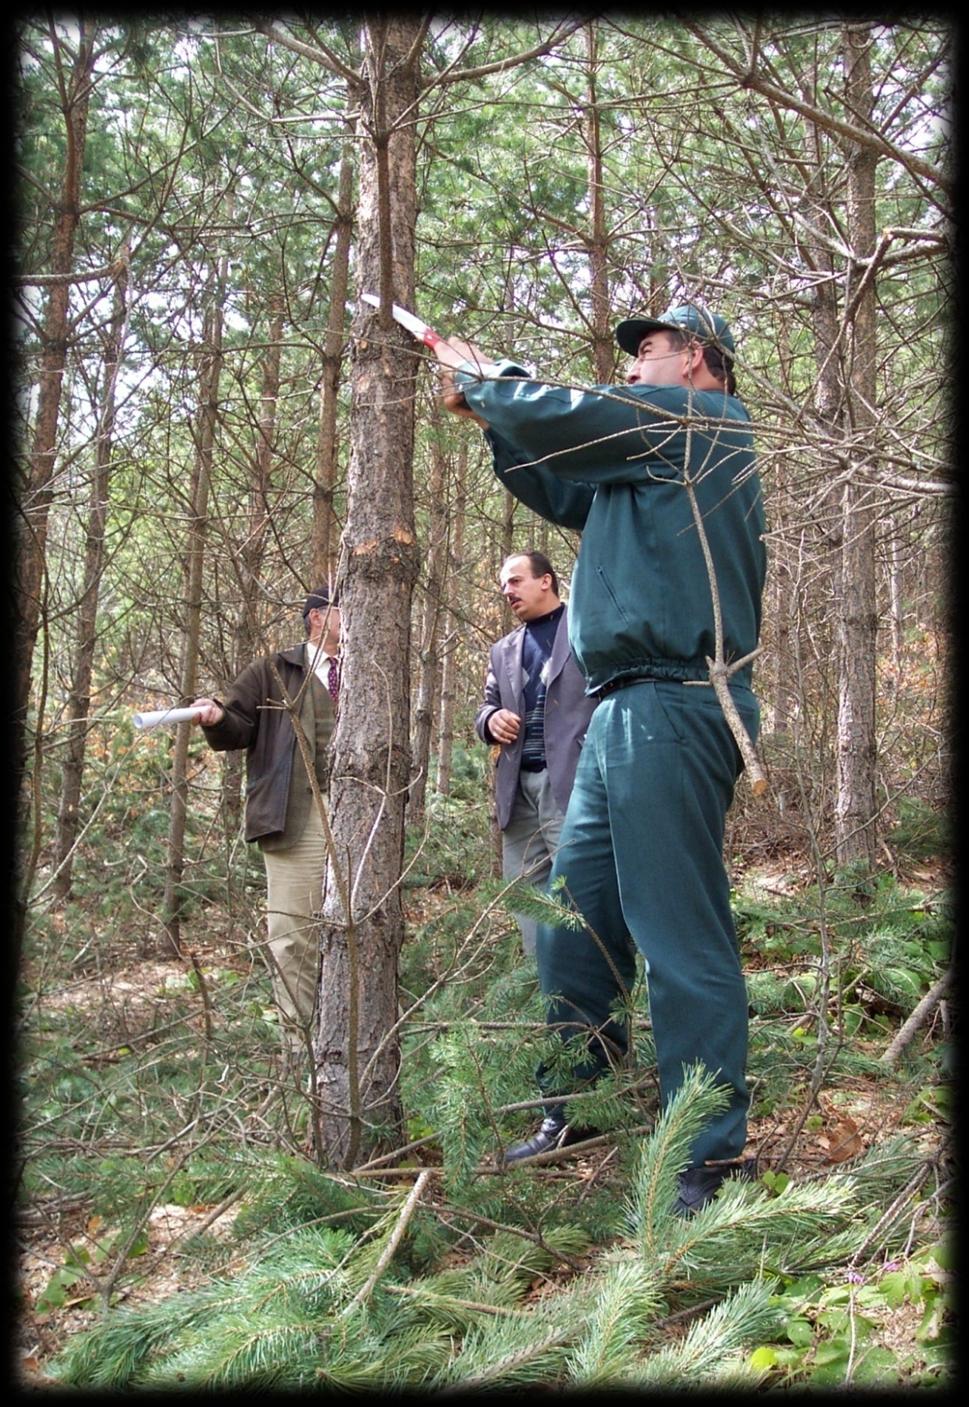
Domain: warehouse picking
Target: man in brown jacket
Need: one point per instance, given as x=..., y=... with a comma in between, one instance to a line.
x=282, y=816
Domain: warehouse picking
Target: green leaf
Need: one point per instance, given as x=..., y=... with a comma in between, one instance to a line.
x=140, y=1244
x=800, y=1332
x=933, y=1326
x=899, y=1285
x=877, y=1364
x=831, y=1352
x=805, y=1288
x=943, y=1255
x=54, y=1294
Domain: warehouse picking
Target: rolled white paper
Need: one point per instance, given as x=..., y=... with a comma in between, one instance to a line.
x=165, y=716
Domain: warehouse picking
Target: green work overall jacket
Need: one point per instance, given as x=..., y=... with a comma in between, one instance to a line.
x=615, y=462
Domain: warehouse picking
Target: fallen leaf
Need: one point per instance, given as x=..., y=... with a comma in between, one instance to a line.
x=840, y=1136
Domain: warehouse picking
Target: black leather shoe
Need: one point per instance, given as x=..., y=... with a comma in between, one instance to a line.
x=554, y=1133
x=698, y=1186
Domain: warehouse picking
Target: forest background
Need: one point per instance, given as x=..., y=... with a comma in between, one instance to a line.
x=210, y=422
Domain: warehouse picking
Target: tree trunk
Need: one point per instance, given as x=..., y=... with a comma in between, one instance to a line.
x=603, y=345
x=247, y=637
x=429, y=677
x=35, y=491
x=855, y=807
x=781, y=706
x=445, y=728
x=445, y=741
x=815, y=642
x=248, y=632
x=324, y=536
x=169, y=943
x=508, y=546
x=509, y=503
x=79, y=699
x=357, y=1050
x=785, y=694
x=896, y=607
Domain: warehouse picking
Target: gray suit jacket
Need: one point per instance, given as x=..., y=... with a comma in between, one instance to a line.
x=567, y=712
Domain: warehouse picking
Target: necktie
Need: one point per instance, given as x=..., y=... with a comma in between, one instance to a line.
x=333, y=679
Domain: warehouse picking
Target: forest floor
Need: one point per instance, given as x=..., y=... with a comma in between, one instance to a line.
x=860, y=1117
x=832, y=1127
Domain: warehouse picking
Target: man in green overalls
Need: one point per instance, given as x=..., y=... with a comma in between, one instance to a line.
x=641, y=854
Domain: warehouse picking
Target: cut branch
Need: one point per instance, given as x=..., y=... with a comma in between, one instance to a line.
x=387, y=1255
x=916, y=1019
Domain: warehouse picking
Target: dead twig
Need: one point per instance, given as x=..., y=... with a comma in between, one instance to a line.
x=916, y=1019
x=720, y=671
x=387, y=1255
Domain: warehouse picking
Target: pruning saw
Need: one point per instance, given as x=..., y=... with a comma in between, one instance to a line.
x=414, y=326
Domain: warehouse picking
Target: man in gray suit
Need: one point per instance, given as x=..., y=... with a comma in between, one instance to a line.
x=536, y=710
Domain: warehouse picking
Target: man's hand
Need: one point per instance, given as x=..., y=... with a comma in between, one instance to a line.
x=209, y=712
x=453, y=353
x=453, y=400
x=504, y=725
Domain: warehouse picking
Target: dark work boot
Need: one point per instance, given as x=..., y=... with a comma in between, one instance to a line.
x=555, y=1132
x=698, y=1186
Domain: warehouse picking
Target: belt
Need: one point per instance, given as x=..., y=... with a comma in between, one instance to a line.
x=615, y=684
x=532, y=767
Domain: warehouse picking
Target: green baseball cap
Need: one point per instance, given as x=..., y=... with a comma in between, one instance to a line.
x=709, y=327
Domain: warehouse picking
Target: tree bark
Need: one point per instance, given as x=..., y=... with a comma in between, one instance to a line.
x=248, y=632
x=79, y=698
x=327, y=457
x=36, y=491
x=356, y=1047
x=169, y=942
x=896, y=607
x=855, y=808
x=247, y=636
x=429, y=675
x=445, y=740
x=603, y=345
x=782, y=706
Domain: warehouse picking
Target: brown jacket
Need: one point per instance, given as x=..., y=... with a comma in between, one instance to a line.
x=256, y=720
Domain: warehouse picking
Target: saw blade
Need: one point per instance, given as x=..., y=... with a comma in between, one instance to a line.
x=413, y=324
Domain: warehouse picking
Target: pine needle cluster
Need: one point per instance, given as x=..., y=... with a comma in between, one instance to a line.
x=334, y=1306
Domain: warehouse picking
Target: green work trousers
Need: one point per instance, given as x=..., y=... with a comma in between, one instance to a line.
x=641, y=856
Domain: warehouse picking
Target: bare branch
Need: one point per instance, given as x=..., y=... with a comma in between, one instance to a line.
x=111, y=270
x=500, y=65
x=917, y=1019
x=322, y=54
x=874, y=141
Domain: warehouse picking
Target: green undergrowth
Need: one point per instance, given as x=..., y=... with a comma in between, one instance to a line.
x=570, y=1275
x=348, y=1289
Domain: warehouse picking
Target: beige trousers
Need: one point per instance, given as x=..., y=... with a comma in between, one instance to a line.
x=294, y=882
